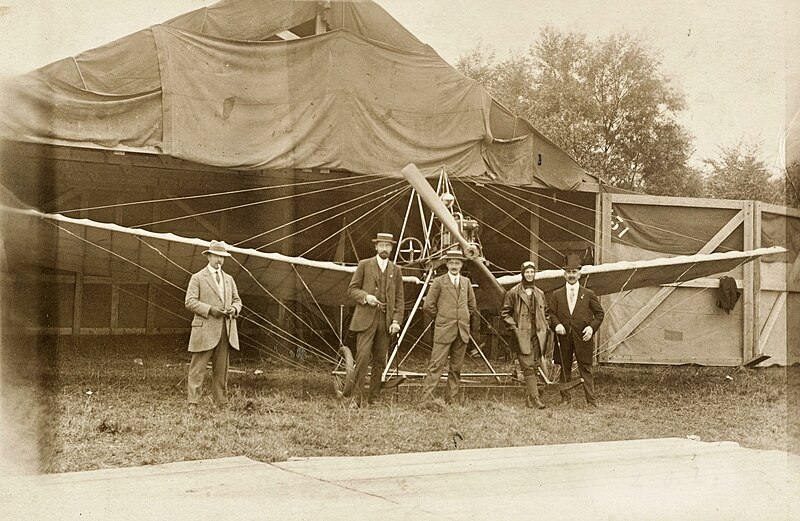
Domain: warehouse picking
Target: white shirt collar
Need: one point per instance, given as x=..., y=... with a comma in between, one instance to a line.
x=453, y=278
x=576, y=287
x=382, y=263
x=213, y=271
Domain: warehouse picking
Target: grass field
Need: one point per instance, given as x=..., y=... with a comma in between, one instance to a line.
x=115, y=402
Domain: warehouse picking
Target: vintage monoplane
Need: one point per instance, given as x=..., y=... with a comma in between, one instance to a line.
x=136, y=255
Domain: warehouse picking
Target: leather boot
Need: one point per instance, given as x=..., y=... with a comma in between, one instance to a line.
x=532, y=393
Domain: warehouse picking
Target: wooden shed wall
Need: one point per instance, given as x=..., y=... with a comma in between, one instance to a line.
x=676, y=325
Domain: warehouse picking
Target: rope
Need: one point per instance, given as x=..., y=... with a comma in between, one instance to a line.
x=589, y=209
x=317, y=303
x=279, y=302
x=302, y=218
x=202, y=196
x=394, y=194
x=245, y=205
x=339, y=214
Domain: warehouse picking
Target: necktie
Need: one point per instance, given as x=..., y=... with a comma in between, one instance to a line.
x=216, y=274
x=455, y=282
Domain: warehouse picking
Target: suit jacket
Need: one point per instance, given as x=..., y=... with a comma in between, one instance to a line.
x=451, y=308
x=200, y=296
x=513, y=304
x=365, y=282
x=587, y=312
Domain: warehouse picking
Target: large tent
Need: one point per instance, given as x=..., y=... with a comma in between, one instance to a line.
x=346, y=88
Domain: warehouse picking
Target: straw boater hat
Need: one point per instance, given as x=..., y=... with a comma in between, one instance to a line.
x=217, y=248
x=572, y=261
x=384, y=237
x=453, y=254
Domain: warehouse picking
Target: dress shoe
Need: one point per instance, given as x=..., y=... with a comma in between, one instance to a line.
x=436, y=405
x=534, y=403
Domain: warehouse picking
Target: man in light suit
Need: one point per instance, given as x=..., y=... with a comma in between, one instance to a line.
x=575, y=314
x=214, y=299
x=451, y=300
x=377, y=290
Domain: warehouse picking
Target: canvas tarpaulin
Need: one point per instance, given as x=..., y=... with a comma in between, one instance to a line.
x=315, y=101
x=366, y=96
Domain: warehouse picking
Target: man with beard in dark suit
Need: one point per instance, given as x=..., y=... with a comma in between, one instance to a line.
x=377, y=290
x=575, y=314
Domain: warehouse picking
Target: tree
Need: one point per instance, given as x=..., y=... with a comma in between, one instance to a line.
x=606, y=103
x=738, y=174
x=792, y=185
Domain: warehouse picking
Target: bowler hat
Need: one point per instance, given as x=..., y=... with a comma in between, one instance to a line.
x=453, y=254
x=384, y=237
x=217, y=248
x=572, y=262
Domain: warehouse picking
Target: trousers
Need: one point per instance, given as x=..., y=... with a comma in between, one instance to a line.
x=371, y=344
x=219, y=357
x=439, y=356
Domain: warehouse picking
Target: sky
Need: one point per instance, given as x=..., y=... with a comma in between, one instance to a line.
x=729, y=57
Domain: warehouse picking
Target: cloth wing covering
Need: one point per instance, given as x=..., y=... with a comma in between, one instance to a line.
x=613, y=277
x=138, y=256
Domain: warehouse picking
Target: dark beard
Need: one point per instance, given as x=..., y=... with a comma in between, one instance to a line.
x=383, y=254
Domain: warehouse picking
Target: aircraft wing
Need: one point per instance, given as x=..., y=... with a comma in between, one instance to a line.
x=138, y=256
x=614, y=277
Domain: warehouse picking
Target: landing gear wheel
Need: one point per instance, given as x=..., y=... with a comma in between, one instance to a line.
x=346, y=365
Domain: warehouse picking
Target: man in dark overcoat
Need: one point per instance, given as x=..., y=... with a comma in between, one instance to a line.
x=526, y=313
x=575, y=314
x=377, y=290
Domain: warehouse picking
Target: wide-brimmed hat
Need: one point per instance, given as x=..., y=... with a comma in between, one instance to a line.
x=572, y=261
x=217, y=248
x=453, y=254
x=384, y=237
x=527, y=264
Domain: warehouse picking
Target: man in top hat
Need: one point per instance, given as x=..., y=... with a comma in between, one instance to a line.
x=213, y=298
x=377, y=290
x=451, y=301
x=526, y=313
x=575, y=314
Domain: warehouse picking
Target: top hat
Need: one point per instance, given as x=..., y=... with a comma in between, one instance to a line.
x=572, y=261
x=217, y=248
x=384, y=237
x=527, y=264
x=453, y=254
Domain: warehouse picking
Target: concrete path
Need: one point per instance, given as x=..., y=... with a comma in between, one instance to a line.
x=662, y=479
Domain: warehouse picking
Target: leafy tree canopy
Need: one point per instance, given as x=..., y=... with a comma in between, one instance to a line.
x=738, y=174
x=605, y=102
